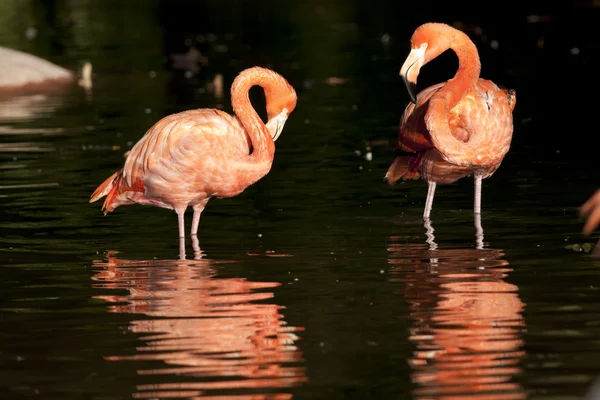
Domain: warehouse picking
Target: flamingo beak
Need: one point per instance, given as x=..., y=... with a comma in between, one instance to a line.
x=275, y=124
x=410, y=70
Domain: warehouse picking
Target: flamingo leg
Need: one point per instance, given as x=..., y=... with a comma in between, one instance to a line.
x=182, y=248
x=198, y=208
x=429, y=232
x=478, y=232
x=477, y=206
x=180, y=214
x=196, y=246
x=429, y=201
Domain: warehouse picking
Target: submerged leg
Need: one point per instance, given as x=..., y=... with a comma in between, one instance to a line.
x=196, y=246
x=478, y=232
x=429, y=233
x=182, y=248
x=429, y=201
x=180, y=213
x=198, y=208
x=477, y=205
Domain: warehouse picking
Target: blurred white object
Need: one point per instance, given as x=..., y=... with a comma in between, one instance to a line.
x=20, y=69
x=86, y=76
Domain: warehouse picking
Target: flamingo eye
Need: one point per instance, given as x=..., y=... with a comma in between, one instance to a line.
x=421, y=46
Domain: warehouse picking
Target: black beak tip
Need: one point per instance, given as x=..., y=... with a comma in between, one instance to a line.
x=412, y=87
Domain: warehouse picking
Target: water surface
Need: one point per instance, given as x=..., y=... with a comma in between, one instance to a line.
x=320, y=281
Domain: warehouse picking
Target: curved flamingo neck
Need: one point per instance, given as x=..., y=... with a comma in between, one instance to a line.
x=469, y=68
x=262, y=142
x=437, y=118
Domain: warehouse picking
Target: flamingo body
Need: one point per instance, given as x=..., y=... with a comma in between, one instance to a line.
x=189, y=157
x=453, y=129
x=190, y=151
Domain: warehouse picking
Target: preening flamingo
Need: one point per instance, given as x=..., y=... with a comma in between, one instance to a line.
x=454, y=129
x=187, y=158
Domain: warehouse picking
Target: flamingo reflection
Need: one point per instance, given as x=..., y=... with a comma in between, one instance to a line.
x=213, y=334
x=467, y=321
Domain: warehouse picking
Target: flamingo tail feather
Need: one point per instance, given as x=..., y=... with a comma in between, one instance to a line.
x=109, y=188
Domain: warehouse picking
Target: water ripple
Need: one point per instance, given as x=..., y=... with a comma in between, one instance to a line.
x=222, y=336
x=467, y=321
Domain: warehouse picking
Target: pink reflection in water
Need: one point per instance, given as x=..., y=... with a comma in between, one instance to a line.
x=467, y=321
x=212, y=333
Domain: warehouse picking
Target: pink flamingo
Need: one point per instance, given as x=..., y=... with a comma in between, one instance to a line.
x=187, y=158
x=458, y=128
x=591, y=211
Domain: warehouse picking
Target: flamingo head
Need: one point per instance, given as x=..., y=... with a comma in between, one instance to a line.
x=427, y=42
x=281, y=101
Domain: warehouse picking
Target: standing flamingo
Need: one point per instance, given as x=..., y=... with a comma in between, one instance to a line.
x=454, y=129
x=189, y=157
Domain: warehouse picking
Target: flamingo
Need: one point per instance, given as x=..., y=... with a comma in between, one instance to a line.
x=591, y=211
x=453, y=129
x=187, y=158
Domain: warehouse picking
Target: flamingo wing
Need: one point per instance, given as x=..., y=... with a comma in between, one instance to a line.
x=485, y=116
x=180, y=142
x=413, y=136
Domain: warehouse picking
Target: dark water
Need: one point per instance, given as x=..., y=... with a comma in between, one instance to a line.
x=320, y=281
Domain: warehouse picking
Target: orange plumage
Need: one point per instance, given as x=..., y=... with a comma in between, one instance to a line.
x=454, y=129
x=591, y=211
x=189, y=157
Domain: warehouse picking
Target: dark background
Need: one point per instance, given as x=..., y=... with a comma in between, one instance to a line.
x=321, y=203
